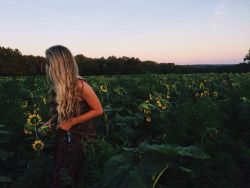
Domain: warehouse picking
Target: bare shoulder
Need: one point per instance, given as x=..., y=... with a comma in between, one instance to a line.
x=83, y=86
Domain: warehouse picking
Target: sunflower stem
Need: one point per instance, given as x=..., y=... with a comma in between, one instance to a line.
x=36, y=131
x=156, y=180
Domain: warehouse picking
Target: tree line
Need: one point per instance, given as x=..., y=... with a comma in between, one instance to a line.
x=13, y=63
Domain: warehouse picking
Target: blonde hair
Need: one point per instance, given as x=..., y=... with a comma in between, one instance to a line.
x=62, y=74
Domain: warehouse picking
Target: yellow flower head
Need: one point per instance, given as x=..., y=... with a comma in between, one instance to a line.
x=148, y=119
x=38, y=145
x=215, y=93
x=168, y=95
x=34, y=119
x=103, y=88
x=24, y=104
x=201, y=85
x=167, y=86
x=150, y=97
x=27, y=131
x=145, y=111
x=163, y=107
x=206, y=93
x=159, y=103
x=157, y=98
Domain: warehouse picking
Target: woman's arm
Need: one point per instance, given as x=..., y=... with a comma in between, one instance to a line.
x=92, y=100
x=53, y=119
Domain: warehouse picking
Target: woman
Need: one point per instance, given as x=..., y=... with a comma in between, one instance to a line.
x=74, y=104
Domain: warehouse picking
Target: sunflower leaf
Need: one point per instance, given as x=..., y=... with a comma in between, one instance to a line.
x=4, y=154
x=5, y=179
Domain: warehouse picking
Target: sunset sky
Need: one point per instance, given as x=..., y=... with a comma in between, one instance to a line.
x=177, y=31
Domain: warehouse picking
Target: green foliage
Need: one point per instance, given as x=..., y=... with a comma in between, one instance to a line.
x=138, y=167
x=5, y=179
x=97, y=153
x=156, y=131
x=169, y=150
x=4, y=153
x=39, y=173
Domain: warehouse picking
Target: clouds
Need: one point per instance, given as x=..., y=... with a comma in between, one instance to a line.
x=219, y=13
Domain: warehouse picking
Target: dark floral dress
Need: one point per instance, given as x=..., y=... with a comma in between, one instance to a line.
x=69, y=155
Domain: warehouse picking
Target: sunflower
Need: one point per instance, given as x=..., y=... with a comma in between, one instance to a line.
x=201, y=85
x=24, y=104
x=163, y=107
x=159, y=104
x=103, y=88
x=157, y=99
x=38, y=145
x=206, y=93
x=148, y=119
x=168, y=95
x=150, y=97
x=27, y=131
x=145, y=111
x=34, y=119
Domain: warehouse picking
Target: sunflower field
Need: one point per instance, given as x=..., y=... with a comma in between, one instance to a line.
x=175, y=130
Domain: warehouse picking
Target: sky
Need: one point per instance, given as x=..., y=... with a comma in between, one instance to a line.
x=165, y=31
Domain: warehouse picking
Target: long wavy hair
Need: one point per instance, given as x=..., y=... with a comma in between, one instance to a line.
x=62, y=74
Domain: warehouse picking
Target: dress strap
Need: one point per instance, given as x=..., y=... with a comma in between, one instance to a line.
x=82, y=87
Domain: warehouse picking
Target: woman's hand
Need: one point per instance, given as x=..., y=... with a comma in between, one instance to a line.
x=46, y=127
x=66, y=125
